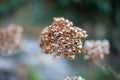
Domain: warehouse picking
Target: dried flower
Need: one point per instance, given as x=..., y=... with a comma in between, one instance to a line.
x=74, y=78
x=95, y=50
x=62, y=38
x=10, y=38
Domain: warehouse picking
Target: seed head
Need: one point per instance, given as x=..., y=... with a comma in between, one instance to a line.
x=62, y=38
x=96, y=50
x=74, y=78
x=10, y=38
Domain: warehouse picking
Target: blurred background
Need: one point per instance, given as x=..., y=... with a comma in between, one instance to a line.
x=100, y=18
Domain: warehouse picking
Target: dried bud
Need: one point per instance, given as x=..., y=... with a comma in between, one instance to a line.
x=10, y=38
x=95, y=50
x=62, y=38
x=74, y=78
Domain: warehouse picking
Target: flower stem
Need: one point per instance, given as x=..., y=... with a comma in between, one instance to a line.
x=111, y=70
x=103, y=68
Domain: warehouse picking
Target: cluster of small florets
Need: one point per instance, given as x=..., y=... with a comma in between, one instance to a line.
x=74, y=78
x=10, y=38
x=96, y=50
x=62, y=38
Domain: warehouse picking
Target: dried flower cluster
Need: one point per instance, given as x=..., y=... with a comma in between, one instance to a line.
x=95, y=50
x=62, y=38
x=10, y=38
x=74, y=78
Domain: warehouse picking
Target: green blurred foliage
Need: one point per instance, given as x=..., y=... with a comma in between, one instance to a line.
x=32, y=73
x=103, y=5
x=8, y=5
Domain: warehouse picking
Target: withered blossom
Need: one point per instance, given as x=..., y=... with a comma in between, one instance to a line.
x=10, y=38
x=95, y=50
x=74, y=78
x=61, y=37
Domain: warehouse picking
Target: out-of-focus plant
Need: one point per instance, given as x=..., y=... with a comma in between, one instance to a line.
x=10, y=39
x=95, y=51
x=74, y=78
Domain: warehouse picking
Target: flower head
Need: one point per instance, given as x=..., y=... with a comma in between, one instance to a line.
x=62, y=38
x=96, y=50
x=10, y=38
x=74, y=78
